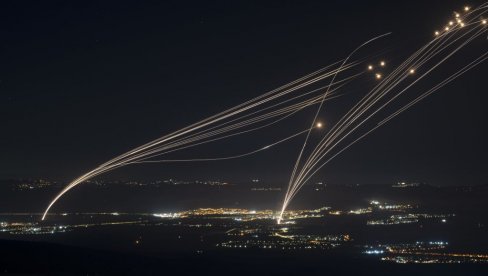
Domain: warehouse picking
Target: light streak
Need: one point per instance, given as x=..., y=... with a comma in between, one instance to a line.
x=383, y=94
x=250, y=116
x=281, y=103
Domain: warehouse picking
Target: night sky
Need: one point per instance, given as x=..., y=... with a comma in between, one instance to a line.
x=83, y=81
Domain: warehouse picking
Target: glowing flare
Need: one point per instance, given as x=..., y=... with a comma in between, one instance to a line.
x=370, y=67
x=466, y=8
x=483, y=21
x=436, y=33
x=382, y=63
x=378, y=76
x=412, y=71
x=319, y=125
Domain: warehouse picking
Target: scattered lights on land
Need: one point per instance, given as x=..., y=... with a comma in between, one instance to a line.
x=374, y=252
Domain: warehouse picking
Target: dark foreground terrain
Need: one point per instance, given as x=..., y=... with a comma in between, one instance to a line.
x=45, y=258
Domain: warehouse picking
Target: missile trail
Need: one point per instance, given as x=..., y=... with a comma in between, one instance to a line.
x=232, y=122
x=229, y=157
x=443, y=47
x=395, y=87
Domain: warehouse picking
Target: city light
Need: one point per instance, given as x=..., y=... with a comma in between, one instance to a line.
x=220, y=139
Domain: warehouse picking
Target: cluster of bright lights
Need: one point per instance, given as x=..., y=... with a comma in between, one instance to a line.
x=451, y=25
x=377, y=75
x=374, y=252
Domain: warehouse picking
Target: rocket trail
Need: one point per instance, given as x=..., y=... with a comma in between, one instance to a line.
x=391, y=89
x=253, y=115
x=395, y=87
x=229, y=157
x=320, y=107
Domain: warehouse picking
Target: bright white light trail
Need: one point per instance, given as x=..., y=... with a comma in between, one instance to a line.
x=390, y=89
x=394, y=88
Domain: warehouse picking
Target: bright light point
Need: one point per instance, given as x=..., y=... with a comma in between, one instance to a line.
x=382, y=63
x=370, y=67
x=447, y=29
x=378, y=76
x=436, y=33
x=466, y=8
x=462, y=24
x=412, y=71
x=451, y=23
x=483, y=21
x=319, y=125
x=457, y=14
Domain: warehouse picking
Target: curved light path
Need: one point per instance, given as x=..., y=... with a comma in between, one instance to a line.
x=399, y=82
x=396, y=90
x=256, y=114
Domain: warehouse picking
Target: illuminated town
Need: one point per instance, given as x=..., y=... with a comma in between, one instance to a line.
x=244, y=229
x=244, y=138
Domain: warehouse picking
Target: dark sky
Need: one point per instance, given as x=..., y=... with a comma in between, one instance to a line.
x=83, y=81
